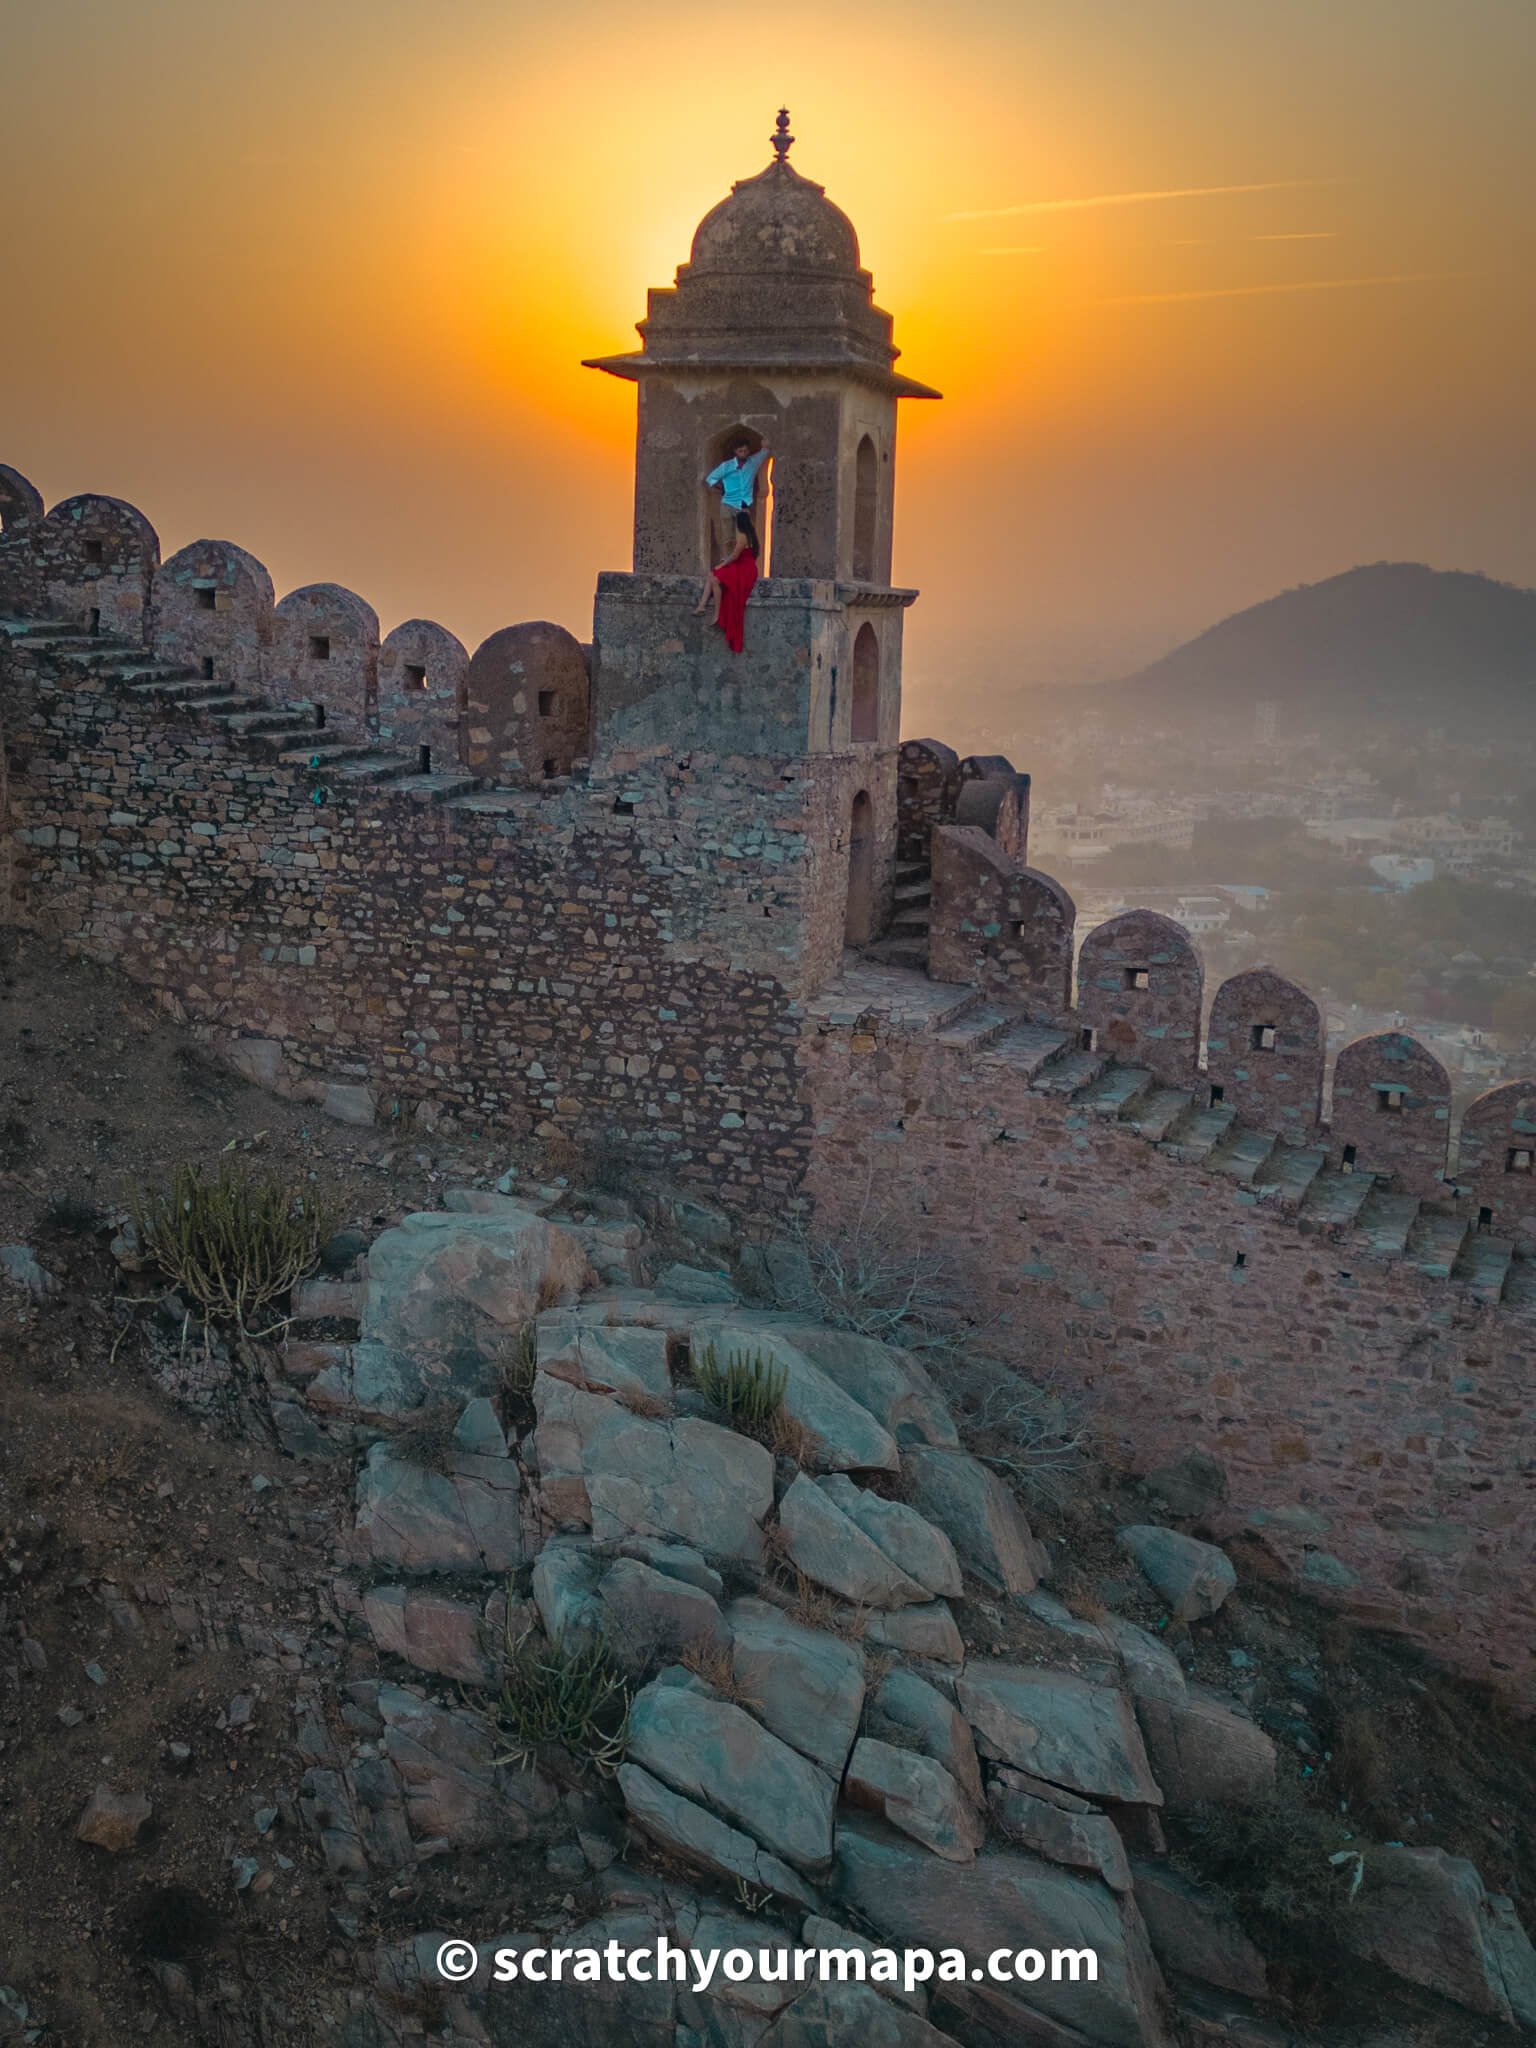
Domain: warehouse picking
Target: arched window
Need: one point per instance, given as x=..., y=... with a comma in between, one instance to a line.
x=717, y=526
x=866, y=684
x=866, y=489
x=859, y=921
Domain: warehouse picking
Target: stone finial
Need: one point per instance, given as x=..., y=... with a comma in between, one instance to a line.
x=781, y=138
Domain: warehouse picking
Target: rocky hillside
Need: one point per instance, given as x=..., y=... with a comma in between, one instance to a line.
x=541, y=1579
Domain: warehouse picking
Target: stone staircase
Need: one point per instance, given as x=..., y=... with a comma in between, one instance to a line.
x=905, y=941
x=1351, y=1208
x=290, y=733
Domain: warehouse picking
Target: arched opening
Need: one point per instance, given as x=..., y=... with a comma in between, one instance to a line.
x=717, y=524
x=859, y=922
x=866, y=684
x=866, y=486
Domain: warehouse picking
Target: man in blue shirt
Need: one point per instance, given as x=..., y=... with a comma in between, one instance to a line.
x=736, y=479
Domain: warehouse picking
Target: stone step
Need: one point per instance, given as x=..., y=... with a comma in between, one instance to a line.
x=1029, y=1046
x=1155, y=1115
x=179, y=690
x=1385, y=1221
x=981, y=1024
x=913, y=871
x=915, y=895
x=908, y=924
x=1484, y=1264
x=377, y=767
x=1335, y=1199
x=265, y=717
x=1520, y=1286
x=438, y=789
x=324, y=753
x=1114, y=1090
x=1435, y=1242
x=1243, y=1153
x=897, y=953
x=1198, y=1132
x=1288, y=1173
x=1070, y=1071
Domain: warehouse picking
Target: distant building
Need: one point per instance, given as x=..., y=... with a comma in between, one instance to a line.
x=1402, y=870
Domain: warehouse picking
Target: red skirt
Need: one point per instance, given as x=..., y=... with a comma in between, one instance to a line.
x=735, y=579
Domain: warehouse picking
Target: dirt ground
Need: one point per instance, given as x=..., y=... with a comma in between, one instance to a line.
x=113, y=1496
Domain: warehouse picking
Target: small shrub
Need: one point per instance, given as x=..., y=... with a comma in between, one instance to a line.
x=576, y=1700
x=749, y=1389
x=233, y=1245
x=517, y=1365
x=713, y=1664
x=1274, y=1863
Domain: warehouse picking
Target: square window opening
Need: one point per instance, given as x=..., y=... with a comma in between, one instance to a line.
x=207, y=598
x=1218, y=1093
x=415, y=676
x=1485, y=1219
x=550, y=771
x=1347, y=1161
x=1137, y=977
x=1520, y=1159
x=546, y=703
x=1263, y=1038
x=1390, y=1101
x=1087, y=1039
x=207, y=668
x=319, y=647
x=95, y=551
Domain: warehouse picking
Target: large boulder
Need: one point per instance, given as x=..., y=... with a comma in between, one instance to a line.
x=846, y=1437
x=891, y=1384
x=702, y=1840
x=1427, y=1917
x=467, y=1518
x=629, y=1362
x=833, y=1550
x=1194, y=1932
x=805, y=1685
x=1193, y=1577
x=622, y=1475
x=929, y=1631
x=455, y=1792
x=1203, y=1749
x=914, y=1794
x=908, y=1709
x=1057, y=1726
x=715, y=1754
x=1004, y=1900
x=977, y=1513
x=1058, y=1825
x=432, y=1632
x=456, y=1289
x=910, y=1541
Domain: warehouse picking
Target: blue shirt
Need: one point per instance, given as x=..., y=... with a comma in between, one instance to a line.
x=737, y=479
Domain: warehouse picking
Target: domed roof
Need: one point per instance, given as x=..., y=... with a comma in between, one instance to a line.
x=776, y=221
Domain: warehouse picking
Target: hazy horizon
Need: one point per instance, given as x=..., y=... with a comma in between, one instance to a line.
x=1215, y=312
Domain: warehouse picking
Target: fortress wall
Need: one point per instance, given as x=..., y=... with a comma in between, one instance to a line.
x=1375, y=1424
x=554, y=964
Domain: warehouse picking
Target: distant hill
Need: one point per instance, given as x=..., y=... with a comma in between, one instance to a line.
x=1396, y=641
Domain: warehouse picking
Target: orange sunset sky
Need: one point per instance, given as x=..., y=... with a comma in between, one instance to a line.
x=1224, y=295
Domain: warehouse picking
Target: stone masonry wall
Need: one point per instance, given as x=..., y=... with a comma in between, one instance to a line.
x=1375, y=1424
x=547, y=963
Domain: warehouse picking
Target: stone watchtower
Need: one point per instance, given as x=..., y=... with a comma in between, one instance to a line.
x=770, y=333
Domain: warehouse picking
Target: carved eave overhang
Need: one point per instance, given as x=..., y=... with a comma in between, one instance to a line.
x=642, y=364
x=875, y=597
